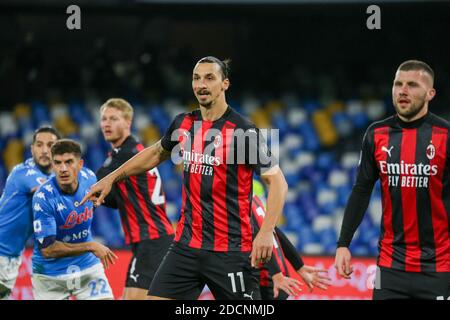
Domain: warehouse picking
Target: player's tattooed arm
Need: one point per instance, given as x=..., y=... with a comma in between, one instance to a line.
x=142, y=162
x=121, y=176
x=162, y=153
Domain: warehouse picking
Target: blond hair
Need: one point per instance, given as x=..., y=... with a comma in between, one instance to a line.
x=119, y=104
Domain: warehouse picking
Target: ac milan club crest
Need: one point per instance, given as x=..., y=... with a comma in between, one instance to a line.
x=217, y=140
x=431, y=151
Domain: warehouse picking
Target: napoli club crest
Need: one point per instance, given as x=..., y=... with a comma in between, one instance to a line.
x=431, y=151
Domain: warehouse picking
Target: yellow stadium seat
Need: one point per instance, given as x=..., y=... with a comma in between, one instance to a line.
x=65, y=125
x=334, y=107
x=13, y=153
x=261, y=119
x=150, y=135
x=325, y=128
x=22, y=110
x=273, y=106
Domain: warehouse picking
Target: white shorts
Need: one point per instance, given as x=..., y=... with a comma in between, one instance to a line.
x=89, y=284
x=9, y=270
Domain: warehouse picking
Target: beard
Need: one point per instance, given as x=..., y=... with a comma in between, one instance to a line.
x=112, y=140
x=43, y=167
x=114, y=137
x=206, y=104
x=412, y=111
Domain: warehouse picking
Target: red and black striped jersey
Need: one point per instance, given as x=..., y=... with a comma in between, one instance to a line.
x=285, y=258
x=412, y=162
x=219, y=158
x=140, y=199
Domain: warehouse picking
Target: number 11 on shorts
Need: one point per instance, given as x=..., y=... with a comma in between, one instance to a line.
x=233, y=281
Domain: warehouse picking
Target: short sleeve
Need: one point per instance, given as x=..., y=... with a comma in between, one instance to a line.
x=89, y=176
x=28, y=179
x=170, y=138
x=44, y=223
x=257, y=152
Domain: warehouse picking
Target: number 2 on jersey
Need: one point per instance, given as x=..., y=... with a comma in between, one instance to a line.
x=157, y=196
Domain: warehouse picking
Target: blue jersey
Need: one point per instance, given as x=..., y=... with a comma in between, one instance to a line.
x=16, y=215
x=59, y=214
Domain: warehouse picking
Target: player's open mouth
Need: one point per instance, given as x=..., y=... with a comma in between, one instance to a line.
x=203, y=93
x=404, y=101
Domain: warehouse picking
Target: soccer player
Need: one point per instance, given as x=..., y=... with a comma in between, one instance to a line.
x=220, y=151
x=140, y=200
x=409, y=152
x=66, y=262
x=16, y=216
x=278, y=273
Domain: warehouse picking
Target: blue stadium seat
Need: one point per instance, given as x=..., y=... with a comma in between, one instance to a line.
x=313, y=173
x=343, y=124
x=40, y=114
x=306, y=236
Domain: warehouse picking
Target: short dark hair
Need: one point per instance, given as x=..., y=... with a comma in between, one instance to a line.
x=416, y=65
x=224, y=65
x=48, y=129
x=66, y=146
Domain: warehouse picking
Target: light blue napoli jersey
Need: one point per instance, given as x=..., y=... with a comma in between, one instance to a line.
x=16, y=215
x=59, y=214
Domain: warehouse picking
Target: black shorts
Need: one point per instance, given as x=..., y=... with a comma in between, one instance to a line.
x=147, y=255
x=185, y=271
x=396, y=284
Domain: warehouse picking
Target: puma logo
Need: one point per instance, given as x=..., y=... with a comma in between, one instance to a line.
x=383, y=148
x=133, y=268
x=250, y=296
x=134, y=277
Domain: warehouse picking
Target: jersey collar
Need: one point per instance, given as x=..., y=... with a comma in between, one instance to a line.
x=413, y=124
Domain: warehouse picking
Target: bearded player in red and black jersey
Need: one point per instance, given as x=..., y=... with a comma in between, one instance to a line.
x=409, y=153
x=139, y=198
x=220, y=151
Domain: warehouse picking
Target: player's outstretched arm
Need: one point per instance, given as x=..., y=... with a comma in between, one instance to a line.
x=58, y=249
x=263, y=242
x=289, y=285
x=143, y=161
x=315, y=277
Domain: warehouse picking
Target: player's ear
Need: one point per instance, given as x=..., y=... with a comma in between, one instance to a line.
x=431, y=93
x=225, y=84
x=80, y=164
